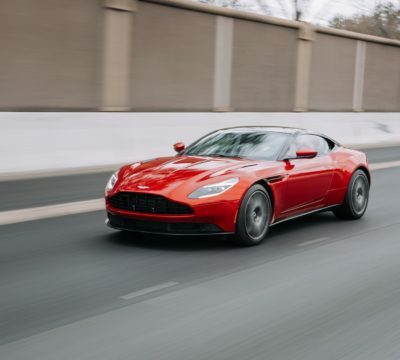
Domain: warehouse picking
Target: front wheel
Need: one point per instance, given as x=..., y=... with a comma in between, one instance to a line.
x=356, y=199
x=254, y=216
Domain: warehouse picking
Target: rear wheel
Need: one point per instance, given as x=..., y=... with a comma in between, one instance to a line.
x=254, y=216
x=356, y=199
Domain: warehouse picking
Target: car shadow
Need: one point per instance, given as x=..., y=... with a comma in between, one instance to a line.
x=307, y=222
x=283, y=234
x=171, y=243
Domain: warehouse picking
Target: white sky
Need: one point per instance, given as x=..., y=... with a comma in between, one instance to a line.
x=323, y=9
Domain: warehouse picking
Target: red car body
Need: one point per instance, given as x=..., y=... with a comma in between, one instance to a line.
x=296, y=186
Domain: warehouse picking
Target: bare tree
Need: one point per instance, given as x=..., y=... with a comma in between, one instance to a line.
x=299, y=10
x=258, y=6
x=316, y=10
x=290, y=9
x=384, y=21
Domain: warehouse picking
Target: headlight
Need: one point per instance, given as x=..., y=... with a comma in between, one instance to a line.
x=111, y=182
x=213, y=189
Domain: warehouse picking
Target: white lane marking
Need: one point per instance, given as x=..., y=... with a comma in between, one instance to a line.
x=45, y=212
x=149, y=290
x=78, y=207
x=315, y=241
x=384, y=165
x=29, y=175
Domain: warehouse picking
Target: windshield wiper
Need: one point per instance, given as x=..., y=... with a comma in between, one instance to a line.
x=222, y=155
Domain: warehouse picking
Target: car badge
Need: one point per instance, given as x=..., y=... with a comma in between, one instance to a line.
x=143, y=187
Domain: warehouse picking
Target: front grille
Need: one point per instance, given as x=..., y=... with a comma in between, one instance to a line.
x=159, y=227
x=148, y=203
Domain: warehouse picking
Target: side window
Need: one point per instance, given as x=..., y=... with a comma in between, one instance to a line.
x=309, y=141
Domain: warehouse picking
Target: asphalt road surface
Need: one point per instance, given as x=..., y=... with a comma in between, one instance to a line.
x=317, y=288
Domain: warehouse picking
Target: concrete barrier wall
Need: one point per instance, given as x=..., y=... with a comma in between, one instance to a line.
x=49, y=54
x=264, y=67
x=332, y=69
x=172, y=59
x=36, y=142
x=178, y=55
x=382, y=78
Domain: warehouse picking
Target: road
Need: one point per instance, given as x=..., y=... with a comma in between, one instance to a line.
x=318, y=288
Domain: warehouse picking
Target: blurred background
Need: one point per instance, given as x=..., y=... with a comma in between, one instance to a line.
x=86, y=85
x=164, y=71
x=186, y=56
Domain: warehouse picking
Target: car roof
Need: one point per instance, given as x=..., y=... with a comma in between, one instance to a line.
x=281, y=129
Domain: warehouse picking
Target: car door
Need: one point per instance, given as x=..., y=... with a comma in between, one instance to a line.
x=308, y=180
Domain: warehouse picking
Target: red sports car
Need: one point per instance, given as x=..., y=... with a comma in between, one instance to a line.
x=239, y=181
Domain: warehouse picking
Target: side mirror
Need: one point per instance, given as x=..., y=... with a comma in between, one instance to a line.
x=179, y=146
x=306, y=153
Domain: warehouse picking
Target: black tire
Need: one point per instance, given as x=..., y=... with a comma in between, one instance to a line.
x=356, y=199
x=254, y=217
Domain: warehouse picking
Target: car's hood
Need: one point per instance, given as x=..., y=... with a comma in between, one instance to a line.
x=169, y=173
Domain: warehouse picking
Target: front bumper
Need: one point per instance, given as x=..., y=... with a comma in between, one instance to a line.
x=206, y=218
x=161, y=227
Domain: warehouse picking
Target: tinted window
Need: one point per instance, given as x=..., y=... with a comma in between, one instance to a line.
x=254, y=145
x=315, y=142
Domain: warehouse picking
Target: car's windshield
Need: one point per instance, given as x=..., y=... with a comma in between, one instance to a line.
x=255, y=145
